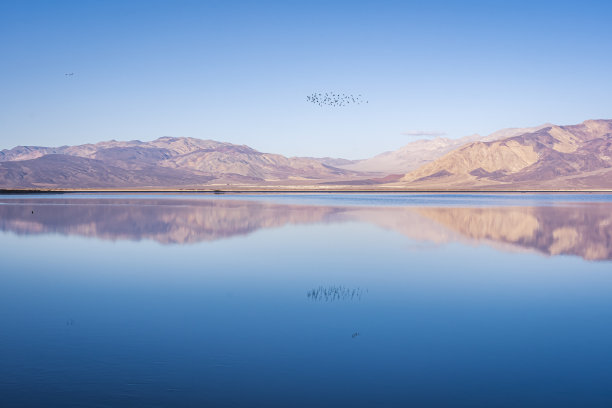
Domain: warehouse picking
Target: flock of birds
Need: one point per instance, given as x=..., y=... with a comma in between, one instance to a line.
x=333, y=293
x=334, y=99
x=318, y=98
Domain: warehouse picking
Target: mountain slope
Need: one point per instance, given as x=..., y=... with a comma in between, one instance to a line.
x=410, y=156
x=552, y=157
x=62, y=171
x=420, y=152
x=164, y=162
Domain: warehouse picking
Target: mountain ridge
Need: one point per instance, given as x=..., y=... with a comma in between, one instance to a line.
x=166, y=161
x=547, y=157
x=562, y=153
x=420, y=152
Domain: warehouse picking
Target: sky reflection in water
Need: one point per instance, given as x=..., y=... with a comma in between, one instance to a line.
x=189, y=300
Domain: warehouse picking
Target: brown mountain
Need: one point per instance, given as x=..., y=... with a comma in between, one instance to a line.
x=554, y=157
x=63, y=171
x=420, y=152
x=165, y=162
x=545, y=157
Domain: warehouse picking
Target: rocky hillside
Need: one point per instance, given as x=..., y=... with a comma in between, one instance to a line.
x=420, y=152
x=547, y=157
x=165, y=162
x=554, y=157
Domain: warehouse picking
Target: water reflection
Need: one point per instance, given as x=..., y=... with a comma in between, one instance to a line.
x=583, y=230
x=334, y=293
x=165, y=221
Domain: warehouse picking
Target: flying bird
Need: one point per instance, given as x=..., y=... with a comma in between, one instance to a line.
x=69, y=74
x=335, y=99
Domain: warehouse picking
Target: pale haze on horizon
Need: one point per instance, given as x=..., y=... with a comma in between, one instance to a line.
x=240, y=72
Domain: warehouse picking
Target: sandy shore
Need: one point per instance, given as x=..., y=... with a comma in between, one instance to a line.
x=260, y=190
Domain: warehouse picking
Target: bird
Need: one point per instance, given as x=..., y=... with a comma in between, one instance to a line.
x=69, y=74
x=331, y=98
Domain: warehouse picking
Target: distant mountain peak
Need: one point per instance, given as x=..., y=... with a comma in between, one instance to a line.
x=545, y=156
x=166, y=161
x=551, y=157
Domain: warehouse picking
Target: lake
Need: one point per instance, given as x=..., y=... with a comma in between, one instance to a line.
x=306, y=300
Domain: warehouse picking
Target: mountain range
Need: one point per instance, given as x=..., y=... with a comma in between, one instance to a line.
x=165, y=162
x=420, y=152
x=553, y=157
x=547, y=157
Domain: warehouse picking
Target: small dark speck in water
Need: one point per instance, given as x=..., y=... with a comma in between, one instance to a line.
x=32, y=211
x=355, y=335
x=70, y=322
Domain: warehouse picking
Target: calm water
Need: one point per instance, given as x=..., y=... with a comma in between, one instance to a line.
x=306, y=300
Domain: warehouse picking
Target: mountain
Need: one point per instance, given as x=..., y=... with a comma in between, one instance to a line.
x=420, y=152
x=553, y=157
x=165, y=162
x=547, y=157
x=63, y=171
x=410, y=156
x=511, y=132
x=333, y=161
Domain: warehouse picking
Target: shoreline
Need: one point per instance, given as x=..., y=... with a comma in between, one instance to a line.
x=295, y=191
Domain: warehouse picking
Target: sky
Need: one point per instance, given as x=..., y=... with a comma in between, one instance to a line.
x=240, y=71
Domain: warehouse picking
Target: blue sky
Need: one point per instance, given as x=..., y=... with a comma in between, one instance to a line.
x=240, y=71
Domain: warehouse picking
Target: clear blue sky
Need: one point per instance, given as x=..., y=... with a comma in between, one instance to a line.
x=240, y=71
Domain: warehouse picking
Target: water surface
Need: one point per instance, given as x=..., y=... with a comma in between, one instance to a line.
x=306, y=300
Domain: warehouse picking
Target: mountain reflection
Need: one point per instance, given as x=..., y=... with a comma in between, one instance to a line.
x=583, y=230
x=166, y=221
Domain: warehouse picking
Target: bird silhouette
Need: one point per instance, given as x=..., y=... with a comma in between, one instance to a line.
x=334, y=293
x=335, y=99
